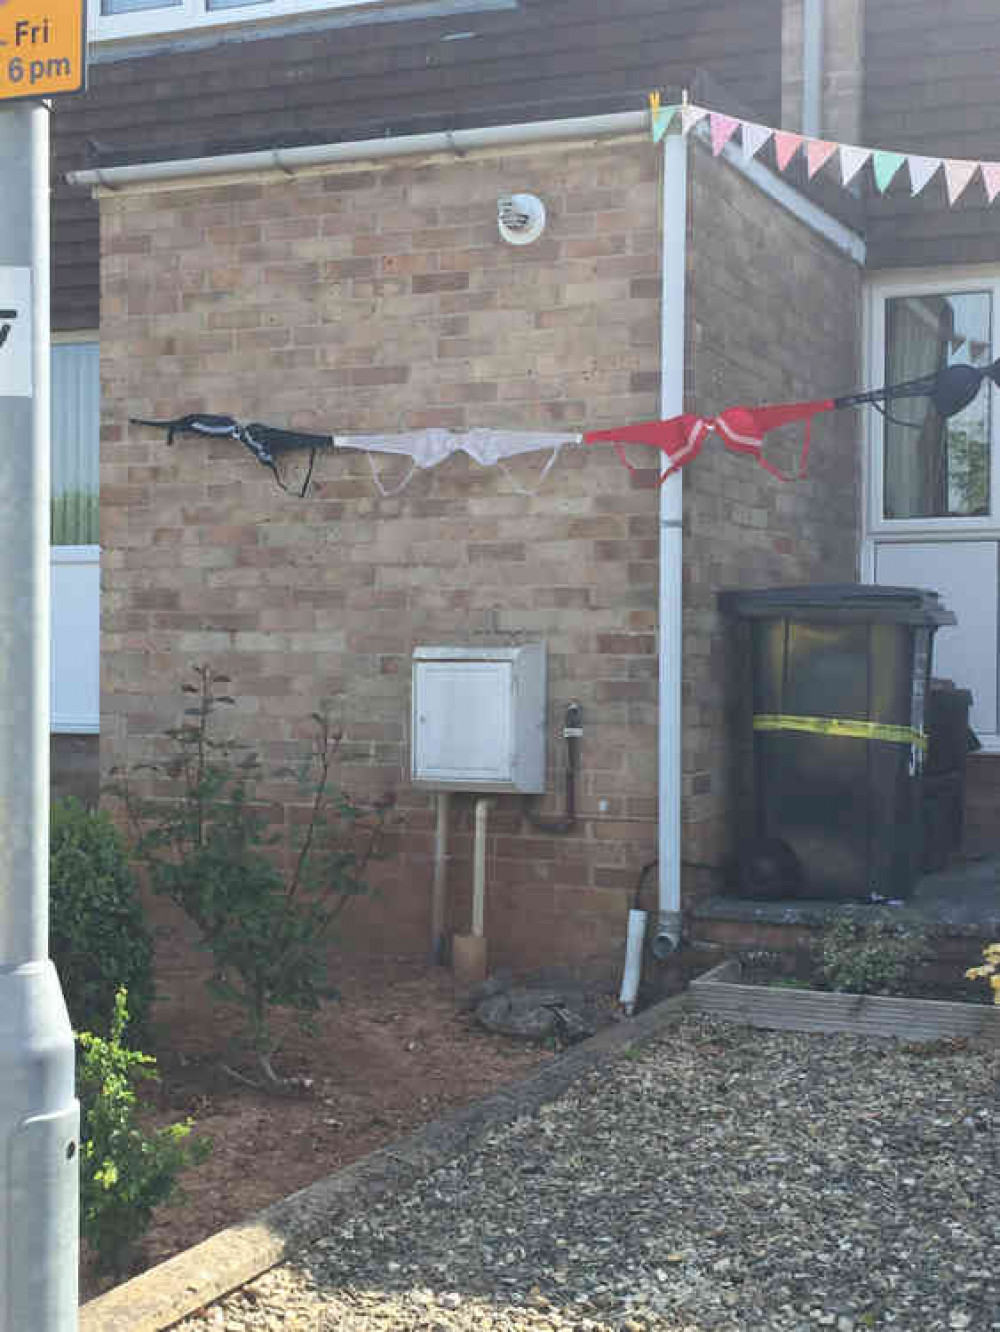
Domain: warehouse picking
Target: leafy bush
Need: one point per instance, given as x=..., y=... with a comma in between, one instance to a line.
x=211, y=850
x=878, y=958
x=124, y=1172
x=97, y=935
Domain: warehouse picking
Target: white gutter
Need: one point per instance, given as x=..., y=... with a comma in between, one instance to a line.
x=812, y=67
x=452, y=143
x=671, y=625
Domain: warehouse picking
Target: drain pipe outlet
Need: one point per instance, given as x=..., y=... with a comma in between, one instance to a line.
x=633, y=960
x=673, y=330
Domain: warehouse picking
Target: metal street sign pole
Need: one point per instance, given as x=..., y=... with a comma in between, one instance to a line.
x=39, y=1115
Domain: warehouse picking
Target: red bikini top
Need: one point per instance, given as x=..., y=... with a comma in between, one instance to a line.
x=740, y=428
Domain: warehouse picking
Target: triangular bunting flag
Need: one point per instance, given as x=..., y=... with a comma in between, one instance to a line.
x=662, y=117
x=786, y=145
x=957, y=175
x=818, y=153
x=886, y=165
x=991, y=178
x=723, y=128
x=754, y=138
x=852, y=159
x=921, y=170
x=691, y=116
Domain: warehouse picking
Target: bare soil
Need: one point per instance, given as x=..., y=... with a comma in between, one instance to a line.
x=397, y=1050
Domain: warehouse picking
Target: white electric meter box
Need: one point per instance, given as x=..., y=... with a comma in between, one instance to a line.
x=479, y=718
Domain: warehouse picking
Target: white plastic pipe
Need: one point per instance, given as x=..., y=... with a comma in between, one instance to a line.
x=440, y=888
x=479, y=867
x=633, y=960
x=812, y=67
x=671, y=625
x=288, y=160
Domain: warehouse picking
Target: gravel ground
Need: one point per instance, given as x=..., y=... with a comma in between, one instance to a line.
x=720, y=1179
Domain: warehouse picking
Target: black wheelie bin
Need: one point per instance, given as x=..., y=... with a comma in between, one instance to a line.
x=833, y=688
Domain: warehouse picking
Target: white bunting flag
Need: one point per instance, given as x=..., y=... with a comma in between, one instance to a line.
x=957, y=175
x=852, y=159
x=754, y=138
x=921, y=170
x=691, y=116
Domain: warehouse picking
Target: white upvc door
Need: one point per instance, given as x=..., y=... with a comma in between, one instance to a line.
x=932, y=487
x=76, y=554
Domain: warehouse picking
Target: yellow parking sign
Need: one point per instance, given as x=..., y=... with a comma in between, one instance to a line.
x=43, y=48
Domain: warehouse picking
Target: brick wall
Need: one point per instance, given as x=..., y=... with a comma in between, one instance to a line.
x=380, y=300
x=843, y=56
x=383, y=300
x=773, y=315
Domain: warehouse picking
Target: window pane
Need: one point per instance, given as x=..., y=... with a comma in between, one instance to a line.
x=232, y=4
x=134, y=6
x=936, y=467
x=76, y=429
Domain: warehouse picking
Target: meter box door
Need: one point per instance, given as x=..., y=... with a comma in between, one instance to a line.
x=479, y=718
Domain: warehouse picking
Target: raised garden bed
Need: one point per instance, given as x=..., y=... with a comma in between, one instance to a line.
x=724, y=993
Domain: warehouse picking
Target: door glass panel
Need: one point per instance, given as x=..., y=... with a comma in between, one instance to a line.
x=76, y=433
x=937, y=467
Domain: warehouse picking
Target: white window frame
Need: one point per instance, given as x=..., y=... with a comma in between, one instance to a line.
x=881, y=531
x=921, y=282
x=192, y=15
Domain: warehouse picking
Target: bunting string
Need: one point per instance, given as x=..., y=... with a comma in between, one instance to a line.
x=851, y=159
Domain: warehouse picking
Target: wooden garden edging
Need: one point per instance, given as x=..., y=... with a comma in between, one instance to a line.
x=719, y=992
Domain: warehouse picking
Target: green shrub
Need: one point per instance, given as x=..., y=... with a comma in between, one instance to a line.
x=265, y=903
x=124, y=1172
x=97, y=936
x=877, y=958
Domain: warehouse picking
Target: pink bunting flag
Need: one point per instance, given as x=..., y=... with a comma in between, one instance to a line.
x=754, y=138
x=723, y=128
x=921, y=170
x=818, y=153
x=852, y=159
x=991, y=178
x=957, y=175
x=786, y=145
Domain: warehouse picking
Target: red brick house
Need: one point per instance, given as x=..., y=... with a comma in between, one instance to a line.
x=298, y=224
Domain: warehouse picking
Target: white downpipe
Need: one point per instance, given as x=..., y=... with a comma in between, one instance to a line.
x=288, y=160
x=479, y=868
x=440, y=888
x=812, y=67
x=672, y=347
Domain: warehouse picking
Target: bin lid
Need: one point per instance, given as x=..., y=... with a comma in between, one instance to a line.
x=838, y=602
